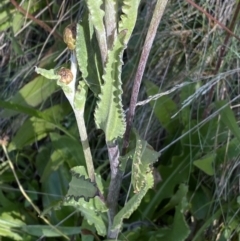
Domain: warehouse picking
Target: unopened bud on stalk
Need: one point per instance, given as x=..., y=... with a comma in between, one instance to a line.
x=66, y=75
x=69, y=36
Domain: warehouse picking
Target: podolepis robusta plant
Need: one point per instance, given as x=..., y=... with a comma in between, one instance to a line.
x=97, y=44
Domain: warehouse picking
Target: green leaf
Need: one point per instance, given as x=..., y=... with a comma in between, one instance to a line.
x=133, y=203
x=81, y=186
x=35, y=129
x=21, y=109
x=85, y=226
x=47, y=231
x=178, y=170
x=18, y=18
x=109, y=115
x=8, y=221
x=80, y=96
x=56, y=205
x=206, y=164
x=88, y=55
x=228, y=118
x=94, y=208
x=94, y=212
x=49, y=74
x=17, y=21
x=179, y=230
x=32, y=94
x=6, y=15
x=164, y=108
x=172, y=175
x=96, y=16
x=16, y=46
x=142, y=179
x=55, y=187
x=91, y=206
x=4, y=202
x=129, y=17
x=31, y=131
x=66, y=150
x=201, y=202
x=175, y=199
x=143, y=159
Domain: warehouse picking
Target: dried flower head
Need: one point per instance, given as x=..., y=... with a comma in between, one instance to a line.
x=66, y=75
x=69, y=36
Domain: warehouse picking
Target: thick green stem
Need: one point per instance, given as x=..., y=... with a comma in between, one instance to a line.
x=78, y=108
x=79, y=114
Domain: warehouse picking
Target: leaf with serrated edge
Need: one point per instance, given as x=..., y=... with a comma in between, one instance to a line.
x=129, y=16
x=132, y=204
x=88, y=55
x=80, y=185
x=144, y=157
x=49, y=74
x=80, y=96
x=109, y=115
x=94, y=211
x=142, y=179
x=96, y=16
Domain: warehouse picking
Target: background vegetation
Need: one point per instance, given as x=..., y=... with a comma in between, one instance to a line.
x=188, y=111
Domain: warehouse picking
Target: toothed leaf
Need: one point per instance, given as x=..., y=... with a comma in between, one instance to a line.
x=94, y=212
x=90, y=205
x=92, y=208
x=132, y=204
x=80, y=96
x=143, y=159
x=142, y=179
x=49, y=74
x=129, y=16
x=109, y=115
x=88, y=55
x=96, y=16
x=81, y=186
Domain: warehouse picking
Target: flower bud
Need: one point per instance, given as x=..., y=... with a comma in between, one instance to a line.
x=66, y=75
x=69, y=36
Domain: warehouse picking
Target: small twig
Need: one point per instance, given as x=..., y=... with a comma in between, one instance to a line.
x=156, y=18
